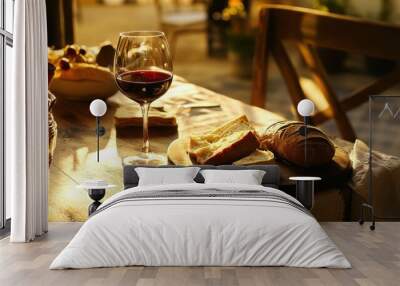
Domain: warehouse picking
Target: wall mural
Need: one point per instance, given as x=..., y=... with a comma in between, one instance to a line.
x=188, y=124
x=175, y=121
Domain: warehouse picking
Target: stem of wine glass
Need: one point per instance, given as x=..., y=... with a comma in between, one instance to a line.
x=145, y=114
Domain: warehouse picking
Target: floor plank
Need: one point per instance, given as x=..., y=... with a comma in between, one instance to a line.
x=375, y=257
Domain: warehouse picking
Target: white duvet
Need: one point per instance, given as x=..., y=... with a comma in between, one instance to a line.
x=200, y=231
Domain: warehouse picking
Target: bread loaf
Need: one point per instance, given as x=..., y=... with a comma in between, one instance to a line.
x=225, y=144
x=286, y=140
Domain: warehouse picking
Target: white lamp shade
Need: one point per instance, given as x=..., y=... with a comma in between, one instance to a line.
x=306, y=107
x=98, y=107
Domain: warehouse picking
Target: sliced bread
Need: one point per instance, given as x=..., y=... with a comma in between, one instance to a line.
x=225, y=144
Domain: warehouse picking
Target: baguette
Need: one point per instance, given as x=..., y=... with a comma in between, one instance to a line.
x=287, y=142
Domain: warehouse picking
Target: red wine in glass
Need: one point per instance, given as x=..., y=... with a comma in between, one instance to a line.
x=144, y=86
x=143, y=73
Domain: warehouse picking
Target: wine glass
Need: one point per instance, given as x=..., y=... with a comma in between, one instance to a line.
x=143, y=73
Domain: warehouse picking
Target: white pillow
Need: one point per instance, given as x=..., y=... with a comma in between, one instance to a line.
x=166, y=176
x=247, y=177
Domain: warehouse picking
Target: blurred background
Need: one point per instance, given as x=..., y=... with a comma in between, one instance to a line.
x=213, y=41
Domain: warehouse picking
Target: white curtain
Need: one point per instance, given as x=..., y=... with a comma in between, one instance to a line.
x=26, y=123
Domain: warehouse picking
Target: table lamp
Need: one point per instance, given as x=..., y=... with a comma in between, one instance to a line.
x=306, y=109
x=98, y=108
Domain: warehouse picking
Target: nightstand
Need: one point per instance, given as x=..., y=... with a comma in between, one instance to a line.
x=96, y=190
x=305, y=190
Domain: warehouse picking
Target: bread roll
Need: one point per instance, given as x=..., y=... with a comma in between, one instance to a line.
x=286, y=140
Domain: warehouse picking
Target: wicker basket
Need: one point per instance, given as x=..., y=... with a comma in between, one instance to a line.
x=51, y=100
x=52, y=127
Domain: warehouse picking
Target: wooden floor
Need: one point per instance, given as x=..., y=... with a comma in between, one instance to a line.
x=375, y=257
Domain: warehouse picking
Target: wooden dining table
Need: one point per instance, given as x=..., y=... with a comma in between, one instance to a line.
x=75, y=157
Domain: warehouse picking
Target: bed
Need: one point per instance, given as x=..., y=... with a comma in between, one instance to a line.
x=197, y=224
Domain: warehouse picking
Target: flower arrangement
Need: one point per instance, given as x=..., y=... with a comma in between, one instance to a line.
x=240, y=37
x=236, y=15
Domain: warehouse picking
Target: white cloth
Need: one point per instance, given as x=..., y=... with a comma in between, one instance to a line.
x=26, y=117
x=385, y=192
x=187, y=231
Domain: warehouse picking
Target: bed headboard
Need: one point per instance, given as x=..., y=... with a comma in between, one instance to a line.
x=271, y=177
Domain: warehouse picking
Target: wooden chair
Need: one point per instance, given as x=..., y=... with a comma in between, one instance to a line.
x=181, y=19
x=309, y=29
